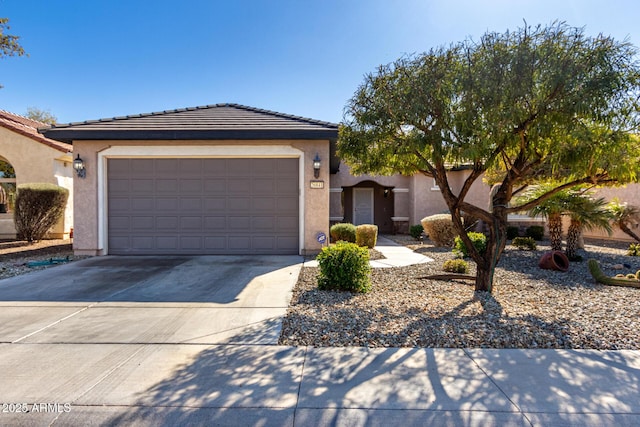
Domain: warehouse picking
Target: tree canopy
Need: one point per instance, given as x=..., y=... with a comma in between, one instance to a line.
x=9, y=45
x=538, y=104
x=44, y=116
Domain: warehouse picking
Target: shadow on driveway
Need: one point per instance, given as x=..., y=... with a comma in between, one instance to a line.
x=193, y=279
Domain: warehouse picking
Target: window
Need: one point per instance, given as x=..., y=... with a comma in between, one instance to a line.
x=7, y=186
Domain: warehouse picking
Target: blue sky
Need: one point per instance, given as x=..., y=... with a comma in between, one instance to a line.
x=91, y=59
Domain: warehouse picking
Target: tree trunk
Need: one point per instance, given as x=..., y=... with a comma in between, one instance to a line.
x=628, y=231
x=486, y=266
x=573, y=238
x=555, y=231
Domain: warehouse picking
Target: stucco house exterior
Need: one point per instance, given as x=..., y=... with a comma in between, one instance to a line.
x=217, y=179
x=232, y=179
x=34, y=158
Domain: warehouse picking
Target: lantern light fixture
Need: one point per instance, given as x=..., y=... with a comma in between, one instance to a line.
x=78, y=165
x=316, y=166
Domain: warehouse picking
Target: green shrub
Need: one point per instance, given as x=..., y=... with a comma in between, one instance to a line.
x=634, y=249
x=367, y=235
x=512, y=232
x=479, y=241
x=38, y=207
x=344, y=266
x=536, y=232
x=525, y=243
x=459, y=266
x=415, y=231
x=440, y=229
x=343, y=231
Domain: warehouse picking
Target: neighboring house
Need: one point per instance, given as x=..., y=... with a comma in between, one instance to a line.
x=218, y=179
x=28, y=157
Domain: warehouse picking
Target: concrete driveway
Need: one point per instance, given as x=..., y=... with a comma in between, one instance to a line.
x=203, y=299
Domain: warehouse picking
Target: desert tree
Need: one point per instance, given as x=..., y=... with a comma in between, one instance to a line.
x=538, y=104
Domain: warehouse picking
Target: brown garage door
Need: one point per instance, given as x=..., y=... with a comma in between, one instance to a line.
x=203, y=206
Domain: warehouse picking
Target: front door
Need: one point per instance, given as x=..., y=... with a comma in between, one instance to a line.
x=362, y=206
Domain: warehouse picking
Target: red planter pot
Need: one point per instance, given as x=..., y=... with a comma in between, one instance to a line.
x=554, y=260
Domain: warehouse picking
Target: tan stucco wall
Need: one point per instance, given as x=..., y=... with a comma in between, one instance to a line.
x=37, y=162
x=88, y=191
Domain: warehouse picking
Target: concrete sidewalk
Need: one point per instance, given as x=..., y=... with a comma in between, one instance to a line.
x=395, y=255
x=192, y=341
x=150, y=385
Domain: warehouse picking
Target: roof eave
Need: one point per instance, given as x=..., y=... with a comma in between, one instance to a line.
x=69, y=135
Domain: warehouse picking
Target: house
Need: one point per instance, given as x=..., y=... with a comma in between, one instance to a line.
x=217, y=179
x=26, y=156
x=230, y=179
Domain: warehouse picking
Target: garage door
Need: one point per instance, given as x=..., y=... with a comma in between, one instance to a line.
x=203, y=206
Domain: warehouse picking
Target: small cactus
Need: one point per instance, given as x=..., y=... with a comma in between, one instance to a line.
x=600, y=277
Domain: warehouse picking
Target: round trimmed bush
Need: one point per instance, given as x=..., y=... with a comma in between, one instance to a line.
x=479, y=241
x=343, y=231
x=38, y=207
x=344, y=266
x=440, y=229
x=459, y=266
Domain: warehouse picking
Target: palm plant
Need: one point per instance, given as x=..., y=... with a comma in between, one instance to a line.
x=586, y=213
x=625, y=217
x=550, y=209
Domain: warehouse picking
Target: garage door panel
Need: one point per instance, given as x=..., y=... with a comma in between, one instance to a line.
x=215, y=186
x=215, y=243
x=118, y=204
x=265, y=223
x=167, y=204
x=203, y=206
x=191, y=186
x=264, y=204
x=191, y=243
x=239, y=243
x=287, y=186
x=241, y=185
x=167, y=166
x=142, y=223
x=167, y=185
x=167, y=222
x=215, y=204
x=289, y=224
x=119, y=222
x=263, y=186
x=239, y=223
x=238, y=204
x=215, y=223
x=142, y=185
x=190, y=204
x=191, y=223
x=238, y=167
x=141, y=243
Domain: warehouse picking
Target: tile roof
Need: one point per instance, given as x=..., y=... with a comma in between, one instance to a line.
x=29, y=128
x=219, y=121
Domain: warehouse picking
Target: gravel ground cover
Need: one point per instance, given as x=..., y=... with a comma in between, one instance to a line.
x=529, y=307
x=14, y=255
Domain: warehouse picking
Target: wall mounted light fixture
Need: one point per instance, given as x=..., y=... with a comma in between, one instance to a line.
x=78, y=165
x=316, y=166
